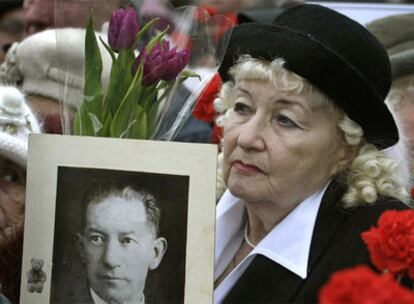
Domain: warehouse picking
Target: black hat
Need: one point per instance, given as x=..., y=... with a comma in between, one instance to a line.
x=334, y=53
x=262, y=15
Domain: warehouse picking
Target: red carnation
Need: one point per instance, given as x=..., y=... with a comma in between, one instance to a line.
x=391, y=244
x=204, y=109
x=360, y=285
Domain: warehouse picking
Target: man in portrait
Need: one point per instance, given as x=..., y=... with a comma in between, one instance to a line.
x=119, y=243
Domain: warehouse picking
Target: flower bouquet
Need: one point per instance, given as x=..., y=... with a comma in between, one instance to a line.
x=133, y=75
x=391, y=247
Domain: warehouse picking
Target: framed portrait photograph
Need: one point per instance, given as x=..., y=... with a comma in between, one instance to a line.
x=118, y=221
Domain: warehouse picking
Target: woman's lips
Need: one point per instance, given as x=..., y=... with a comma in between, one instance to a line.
x=243, y=168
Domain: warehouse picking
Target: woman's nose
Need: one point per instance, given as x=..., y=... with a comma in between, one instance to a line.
x=251, y=136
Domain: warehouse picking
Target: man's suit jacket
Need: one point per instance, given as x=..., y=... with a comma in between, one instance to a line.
x=336, y=244
x=80, y=293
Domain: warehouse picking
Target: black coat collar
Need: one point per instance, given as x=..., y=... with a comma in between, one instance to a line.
x=265, y=281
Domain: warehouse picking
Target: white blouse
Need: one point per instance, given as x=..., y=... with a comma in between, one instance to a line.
x=288, y=244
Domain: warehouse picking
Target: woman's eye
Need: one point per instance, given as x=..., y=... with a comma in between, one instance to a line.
x=286, y=121
x=242, y=108
x=10, y=177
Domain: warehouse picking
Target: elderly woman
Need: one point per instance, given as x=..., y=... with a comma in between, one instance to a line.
x=16, y=123
x=302, y=157
x=48, y=69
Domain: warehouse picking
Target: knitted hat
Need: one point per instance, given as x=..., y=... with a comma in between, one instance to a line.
x=51, y=63
x=334, y=53
x=396, y=33
x=16, y=123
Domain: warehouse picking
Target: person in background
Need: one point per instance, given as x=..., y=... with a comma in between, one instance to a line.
x=43, y=14
x=16, y=123
x=11, y=24
x=396, y=33
x=42, y=64
x=304, y=127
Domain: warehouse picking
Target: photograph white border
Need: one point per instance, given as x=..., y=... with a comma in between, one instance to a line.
x=198, y=161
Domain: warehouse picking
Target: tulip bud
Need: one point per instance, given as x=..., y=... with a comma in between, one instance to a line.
x=175, y=63
x=123, y=28
x=161, y=63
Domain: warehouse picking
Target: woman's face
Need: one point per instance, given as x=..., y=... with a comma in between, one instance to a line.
x=279, y=147
x=12, y=199
x=48, y=112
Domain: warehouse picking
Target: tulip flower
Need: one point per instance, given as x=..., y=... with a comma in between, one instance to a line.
x=153, y=65
x=175, y=62
x=123, y=28
x=162, y=63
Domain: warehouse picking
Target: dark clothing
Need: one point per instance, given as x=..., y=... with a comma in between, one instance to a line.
x=10, y=269
x=192, y=130
x=80, y=294
x=336, y=244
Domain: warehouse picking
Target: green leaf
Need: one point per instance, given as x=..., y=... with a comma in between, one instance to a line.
x=149, y=96
x=90, y=106
x=93, y=63
x=120, y=80
x=96, y=124
x=109, y=49
x=143, y=31
x=126, y=112
x=151, y=44
x=106, y=129
x=139, y=130
x=82, y=124
x=188, y=74
x=151, y=118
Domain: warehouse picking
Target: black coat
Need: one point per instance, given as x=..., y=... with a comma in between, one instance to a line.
x=336, y=244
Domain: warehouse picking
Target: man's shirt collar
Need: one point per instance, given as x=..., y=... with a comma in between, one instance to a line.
x=97, y=300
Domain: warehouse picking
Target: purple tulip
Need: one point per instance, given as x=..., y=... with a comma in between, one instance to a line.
x=123, y=28
x=175, y=62
x=162, y=63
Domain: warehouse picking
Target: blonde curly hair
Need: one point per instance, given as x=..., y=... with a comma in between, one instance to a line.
x=371, y=174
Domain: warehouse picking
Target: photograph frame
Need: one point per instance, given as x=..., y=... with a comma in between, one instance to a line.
x=48, y=154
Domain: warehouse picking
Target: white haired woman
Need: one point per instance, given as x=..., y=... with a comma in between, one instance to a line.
x=302, y=161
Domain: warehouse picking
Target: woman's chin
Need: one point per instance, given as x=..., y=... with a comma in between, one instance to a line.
x=248, y=193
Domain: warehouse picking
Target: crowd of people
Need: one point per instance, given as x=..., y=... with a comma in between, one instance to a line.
x=300, y=81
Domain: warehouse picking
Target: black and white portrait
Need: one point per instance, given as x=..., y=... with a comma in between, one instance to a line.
x=132, y=223
x=121, y=235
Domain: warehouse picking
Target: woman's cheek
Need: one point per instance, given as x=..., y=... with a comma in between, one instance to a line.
x=11, y=218
x=12, y=205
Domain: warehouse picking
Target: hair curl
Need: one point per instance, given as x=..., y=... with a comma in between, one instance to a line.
x=370, y=174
